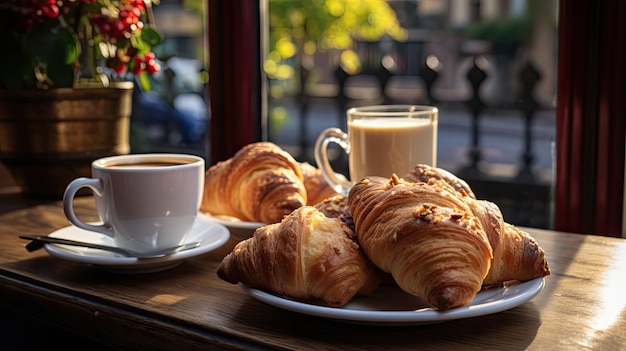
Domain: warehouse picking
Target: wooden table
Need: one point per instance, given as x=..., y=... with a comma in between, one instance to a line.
x=582, y=307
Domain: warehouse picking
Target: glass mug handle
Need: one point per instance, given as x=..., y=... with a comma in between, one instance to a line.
x=68, y=203
x=337, y=136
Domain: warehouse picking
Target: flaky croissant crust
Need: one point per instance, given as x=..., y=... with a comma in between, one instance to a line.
x=260, y=183
x=306, y=256
x=517, y=256
x=317, y=188
x=424, y=173
x=424, y=236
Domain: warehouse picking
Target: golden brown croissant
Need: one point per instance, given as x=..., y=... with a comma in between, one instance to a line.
x=517, y=256
x=337, y=207
x=260, y=183
x=424, y=235
x=306, y=256
x=423, y=172
x=317, y=188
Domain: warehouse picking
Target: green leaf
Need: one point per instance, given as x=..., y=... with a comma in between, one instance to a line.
x=151, y=35
x=69, y=42
x=144, y=82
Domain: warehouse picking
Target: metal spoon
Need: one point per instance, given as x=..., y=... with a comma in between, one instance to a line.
x=39, y=241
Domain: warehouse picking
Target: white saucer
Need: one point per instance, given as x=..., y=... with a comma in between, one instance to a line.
x=390, y=306
x=211, y=235
x=239, y=229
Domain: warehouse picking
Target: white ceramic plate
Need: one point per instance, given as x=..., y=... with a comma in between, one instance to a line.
x=390, y=306
x=239, y=229
x=211, y=235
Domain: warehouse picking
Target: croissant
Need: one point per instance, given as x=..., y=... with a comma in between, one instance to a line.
x=260, y=183
x=423, y=173
x=306, y=256
x=424, y=235
x=517, y=256
x=317, y=188
x=337, y=207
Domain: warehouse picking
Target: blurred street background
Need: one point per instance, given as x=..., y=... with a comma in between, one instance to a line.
x=488, y=65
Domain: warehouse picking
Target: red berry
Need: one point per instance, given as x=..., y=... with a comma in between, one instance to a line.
x=51, y=11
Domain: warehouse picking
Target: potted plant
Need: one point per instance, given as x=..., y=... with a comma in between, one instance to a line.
x=66, y=81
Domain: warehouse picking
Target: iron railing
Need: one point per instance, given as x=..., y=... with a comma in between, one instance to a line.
x=524, y=195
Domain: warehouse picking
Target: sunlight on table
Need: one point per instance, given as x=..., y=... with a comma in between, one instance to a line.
x=165, y=299
x=611, y=296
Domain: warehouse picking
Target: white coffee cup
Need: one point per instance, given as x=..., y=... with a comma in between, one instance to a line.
x=381, y=140
x=146, y=202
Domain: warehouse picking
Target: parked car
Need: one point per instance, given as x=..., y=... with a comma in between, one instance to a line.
x=175, y=111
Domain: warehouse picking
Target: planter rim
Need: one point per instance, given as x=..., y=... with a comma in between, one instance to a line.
x=84, y=88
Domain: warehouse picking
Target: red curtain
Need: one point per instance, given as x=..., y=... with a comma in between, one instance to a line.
x=591, y=113
x=234, y=76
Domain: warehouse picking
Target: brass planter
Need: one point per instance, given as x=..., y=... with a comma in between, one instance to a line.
x=48, y=138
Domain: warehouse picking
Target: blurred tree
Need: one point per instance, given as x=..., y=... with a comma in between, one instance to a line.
x=300, y=28
x=516, y=27
x=197, y=6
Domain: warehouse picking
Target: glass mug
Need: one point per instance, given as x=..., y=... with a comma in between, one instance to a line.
x=381, y=140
